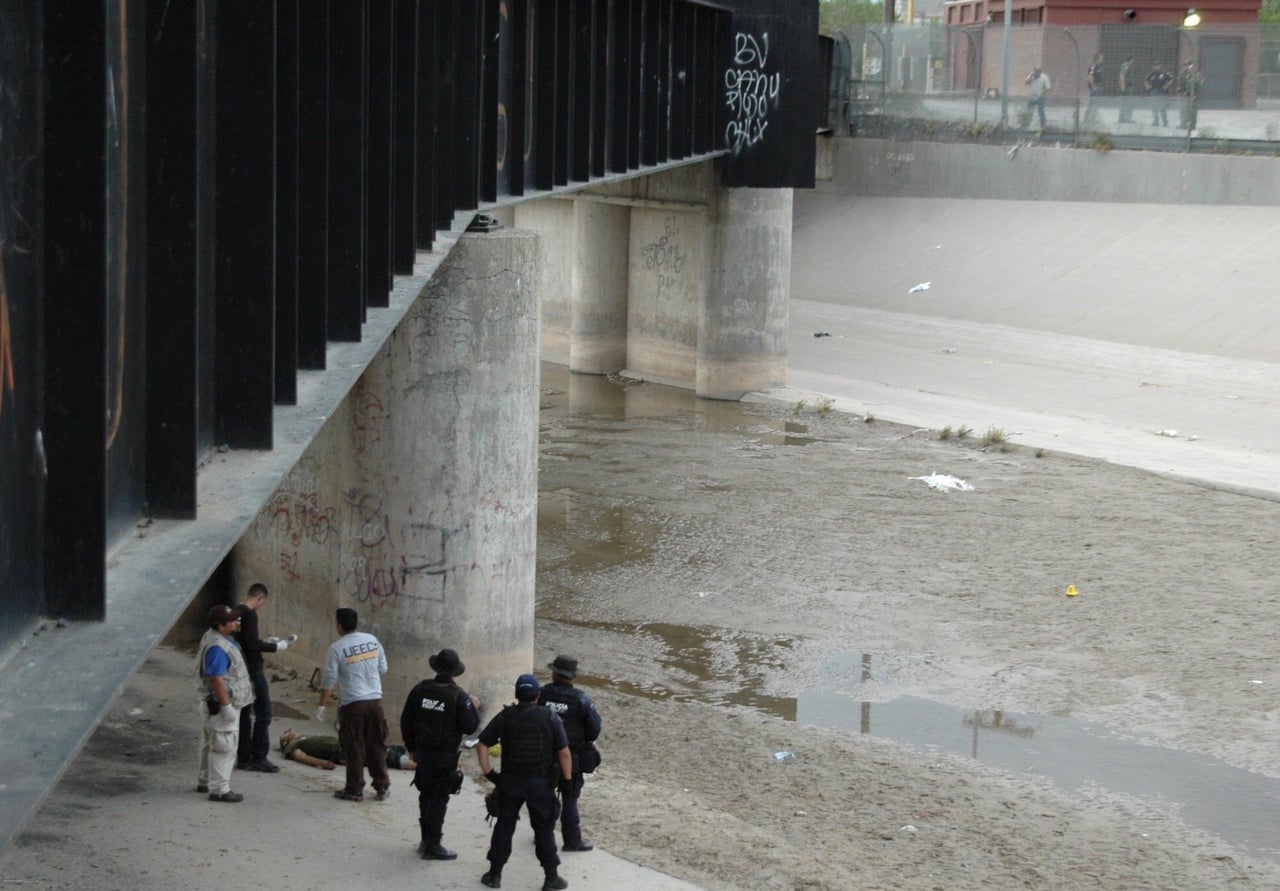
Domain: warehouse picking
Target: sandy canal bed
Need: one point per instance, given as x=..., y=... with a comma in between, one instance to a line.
x=740, y=581
x=722, y=570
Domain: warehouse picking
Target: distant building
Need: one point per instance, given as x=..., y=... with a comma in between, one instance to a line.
x=1063, y=35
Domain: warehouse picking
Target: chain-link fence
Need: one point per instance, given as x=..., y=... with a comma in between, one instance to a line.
x=1126, y=80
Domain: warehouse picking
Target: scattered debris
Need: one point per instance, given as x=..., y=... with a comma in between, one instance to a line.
x=923, y=286
x=784, y=756
x=822, y=334
x=1170, y=433
x=944, y=482
x=948, y=350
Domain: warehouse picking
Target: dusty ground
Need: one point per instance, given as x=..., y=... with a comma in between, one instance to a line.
x=705, y=570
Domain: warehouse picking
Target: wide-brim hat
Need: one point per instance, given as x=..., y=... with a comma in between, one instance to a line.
x=564, y=666
x=447, y=662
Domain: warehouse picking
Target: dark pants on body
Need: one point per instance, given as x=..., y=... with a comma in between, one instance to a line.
x=362, y=732
x=255, y=722
x=570, y=823
x=536, y=793
x=434, y=777
x=1159, y=111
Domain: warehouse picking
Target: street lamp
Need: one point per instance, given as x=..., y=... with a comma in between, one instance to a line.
x=1192, y=19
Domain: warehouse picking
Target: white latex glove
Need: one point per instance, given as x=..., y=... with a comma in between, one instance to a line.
x=281, y=646
x=291, y=638
x=319, y=715
x=227, y=719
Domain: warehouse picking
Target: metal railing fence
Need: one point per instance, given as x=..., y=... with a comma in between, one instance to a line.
x=937, y=77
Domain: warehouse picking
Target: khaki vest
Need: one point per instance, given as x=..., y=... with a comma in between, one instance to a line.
x=237, y=676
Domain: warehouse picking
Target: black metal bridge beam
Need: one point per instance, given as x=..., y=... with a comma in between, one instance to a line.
x=260, y=171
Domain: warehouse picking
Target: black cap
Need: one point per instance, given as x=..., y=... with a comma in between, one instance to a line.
x=221, y=614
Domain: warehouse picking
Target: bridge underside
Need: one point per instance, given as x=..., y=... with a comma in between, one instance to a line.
x=216, y=214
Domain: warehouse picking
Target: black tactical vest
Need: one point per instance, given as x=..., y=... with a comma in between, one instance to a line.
x=566, y=702
x=435, y=721
x=527, y=740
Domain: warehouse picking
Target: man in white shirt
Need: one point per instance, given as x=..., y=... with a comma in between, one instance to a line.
x=356, y=663
x=1038, y=81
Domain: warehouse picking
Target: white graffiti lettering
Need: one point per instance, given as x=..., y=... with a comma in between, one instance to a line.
x=750, y=92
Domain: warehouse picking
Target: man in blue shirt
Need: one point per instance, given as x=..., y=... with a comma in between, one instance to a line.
x=227, y=689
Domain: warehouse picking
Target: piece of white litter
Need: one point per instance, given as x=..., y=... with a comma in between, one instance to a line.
x=1255, y=682
x=908, y=828
x=1170, y=433
x=923, y=286
x=944, y=482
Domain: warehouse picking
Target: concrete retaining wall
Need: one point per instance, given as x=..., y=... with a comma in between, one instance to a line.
x=1045, y=173
x=416, y=504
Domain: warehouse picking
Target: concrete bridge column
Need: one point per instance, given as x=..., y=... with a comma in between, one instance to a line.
x=742, y=322
x=417, y=503
x=598, y=344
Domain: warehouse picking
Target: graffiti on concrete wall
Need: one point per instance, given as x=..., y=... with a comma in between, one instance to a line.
x=751, y=92
x=362, y=541
x=370, y=419
x=366, y=565
x=666, y=257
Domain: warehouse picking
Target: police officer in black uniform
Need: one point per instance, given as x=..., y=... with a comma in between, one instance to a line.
x=435, y=718
x=535, y=761
x=582, y=726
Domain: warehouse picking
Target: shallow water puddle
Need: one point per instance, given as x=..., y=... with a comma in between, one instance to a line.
x=720, y=667
x=1236, y=805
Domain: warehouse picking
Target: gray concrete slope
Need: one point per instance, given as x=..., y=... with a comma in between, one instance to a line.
x=1141, y=334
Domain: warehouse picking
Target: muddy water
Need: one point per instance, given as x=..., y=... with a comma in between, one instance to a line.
x=617, y=538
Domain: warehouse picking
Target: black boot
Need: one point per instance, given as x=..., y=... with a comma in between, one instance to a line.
x=492, y=878
x=554, y=882
x=422, y=845
x=433, y=850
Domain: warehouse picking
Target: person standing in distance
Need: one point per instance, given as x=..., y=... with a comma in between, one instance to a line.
x=1158, y=81
x=1095, y=84
x=535, y=758
x=1039, y=85
x=356, y=663
x=255, y=723
x=581, y=726
x=1125, y=85
x=227, y=690
x=437, y=714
